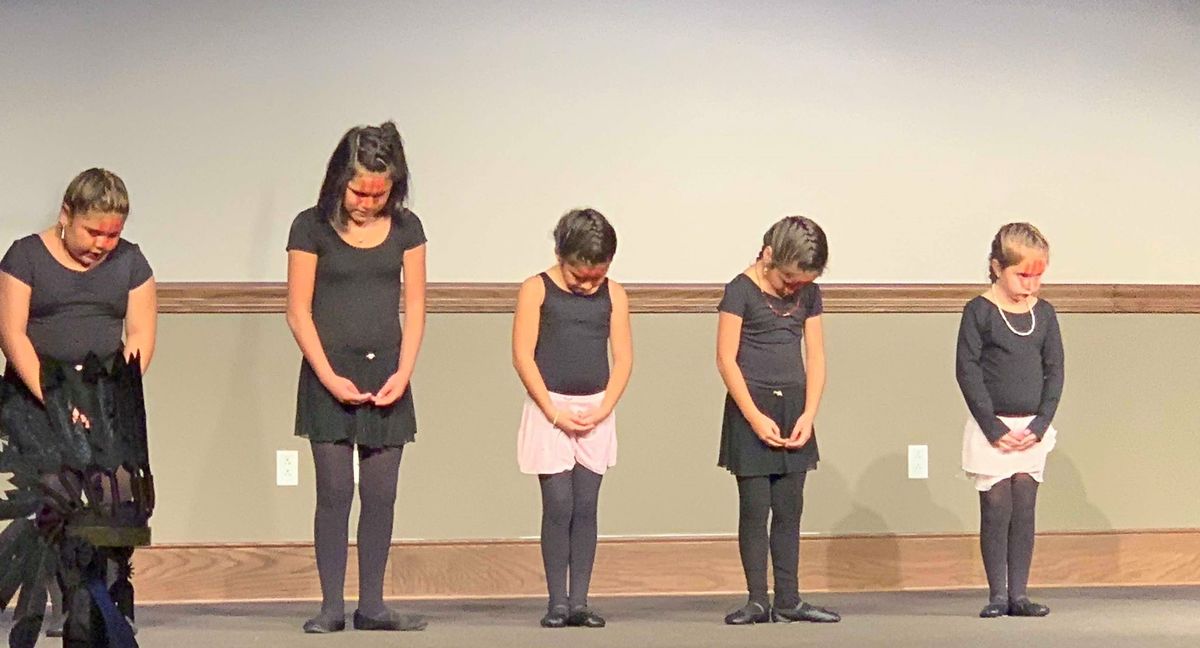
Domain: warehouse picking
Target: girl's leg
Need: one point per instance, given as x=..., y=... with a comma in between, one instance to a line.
x=335, y=492
x=787, y=504
x=585, y=491
x=557, y=509
x=1020, y=546
x=754, y=505
x=995, y=516
x=378, y=473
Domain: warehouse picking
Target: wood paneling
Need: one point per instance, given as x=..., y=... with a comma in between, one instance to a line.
x=703, y=298
x=665, y=566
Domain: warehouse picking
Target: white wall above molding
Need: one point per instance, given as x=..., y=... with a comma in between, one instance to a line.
x=910, y=130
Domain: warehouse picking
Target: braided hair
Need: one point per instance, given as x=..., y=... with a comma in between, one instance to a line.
x=1010, y=241
x=374, y=149
x=798, y=241
x=585, y=237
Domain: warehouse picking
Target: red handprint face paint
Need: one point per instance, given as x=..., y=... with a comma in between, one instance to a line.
x=89, y=237
x=1021, y=281
x=366, y=195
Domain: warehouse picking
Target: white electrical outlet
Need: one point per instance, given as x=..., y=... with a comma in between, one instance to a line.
x=918, y=462
x=355, y=455
x=287, y=468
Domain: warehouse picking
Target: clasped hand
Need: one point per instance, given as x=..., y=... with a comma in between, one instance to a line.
x=768, y=432
x=345, y=391
x=1017, y=440
x=578, y=419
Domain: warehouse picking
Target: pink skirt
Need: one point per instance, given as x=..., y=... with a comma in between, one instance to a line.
x=988, y=465
x=543, y=449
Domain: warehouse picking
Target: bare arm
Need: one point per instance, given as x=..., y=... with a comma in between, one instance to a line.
x=620, y=339
x=414, y=328
x=814, y=352
x=14, y=338
x=526, y=321
x=141, y=322
x=729, y=334
x=814, y=387
x=301, y=279
x=414, y=311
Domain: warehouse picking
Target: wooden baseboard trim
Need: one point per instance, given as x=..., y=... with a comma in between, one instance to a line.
x=664, y=566
x=262, y=297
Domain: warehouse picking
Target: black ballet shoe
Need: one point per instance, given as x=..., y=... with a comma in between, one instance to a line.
x=804, y=612
x=391, y=620
x=748, y=614
x=584, y=617
x=556, y=617
x=322, y=624
x=1026, y=608
x=993, y=610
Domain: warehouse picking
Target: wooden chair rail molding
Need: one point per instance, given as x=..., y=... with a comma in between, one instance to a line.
x=661, y=566
x=270, y=297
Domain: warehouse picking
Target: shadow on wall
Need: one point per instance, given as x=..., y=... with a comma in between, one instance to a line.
x=1064, y=497
x=873, y=495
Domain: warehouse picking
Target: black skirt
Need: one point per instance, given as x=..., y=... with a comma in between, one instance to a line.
x=745, y=455
x=321, y=418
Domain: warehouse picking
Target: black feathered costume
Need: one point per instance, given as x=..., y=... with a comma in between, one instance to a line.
x=81, y=495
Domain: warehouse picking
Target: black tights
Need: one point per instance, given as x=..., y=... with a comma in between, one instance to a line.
x=1006, y=528
x=781, y=496
x=378, y=472
x=569, y=502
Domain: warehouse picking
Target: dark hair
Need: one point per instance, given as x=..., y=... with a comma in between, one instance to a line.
x=1008, y=243
x=799, y=241
x=96, y=190
x=584, y=236
x=376, y=149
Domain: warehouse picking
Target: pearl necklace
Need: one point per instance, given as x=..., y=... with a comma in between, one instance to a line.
x=1032, y=316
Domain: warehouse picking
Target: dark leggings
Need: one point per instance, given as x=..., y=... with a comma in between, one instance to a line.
x=781, y=496
x=1006, y=528
x=378, y=472
x=569, y=502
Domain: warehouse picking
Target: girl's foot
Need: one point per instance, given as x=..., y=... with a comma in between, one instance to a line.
x=748, y=614
x=1023, y=607
x=993, y=610
x=325, y=623
x=556, y=617
x=584, y=617
x=389, y=620
x=805, y=612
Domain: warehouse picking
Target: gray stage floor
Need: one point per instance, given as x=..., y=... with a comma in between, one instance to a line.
x=1108, y=617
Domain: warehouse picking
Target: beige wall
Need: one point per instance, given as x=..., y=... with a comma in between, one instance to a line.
x=222, y=390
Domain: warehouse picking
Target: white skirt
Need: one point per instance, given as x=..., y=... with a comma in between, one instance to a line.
x=543, y=449
x=988, y=465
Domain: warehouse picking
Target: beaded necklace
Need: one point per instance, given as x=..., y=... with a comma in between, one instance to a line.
x=1032, y=316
